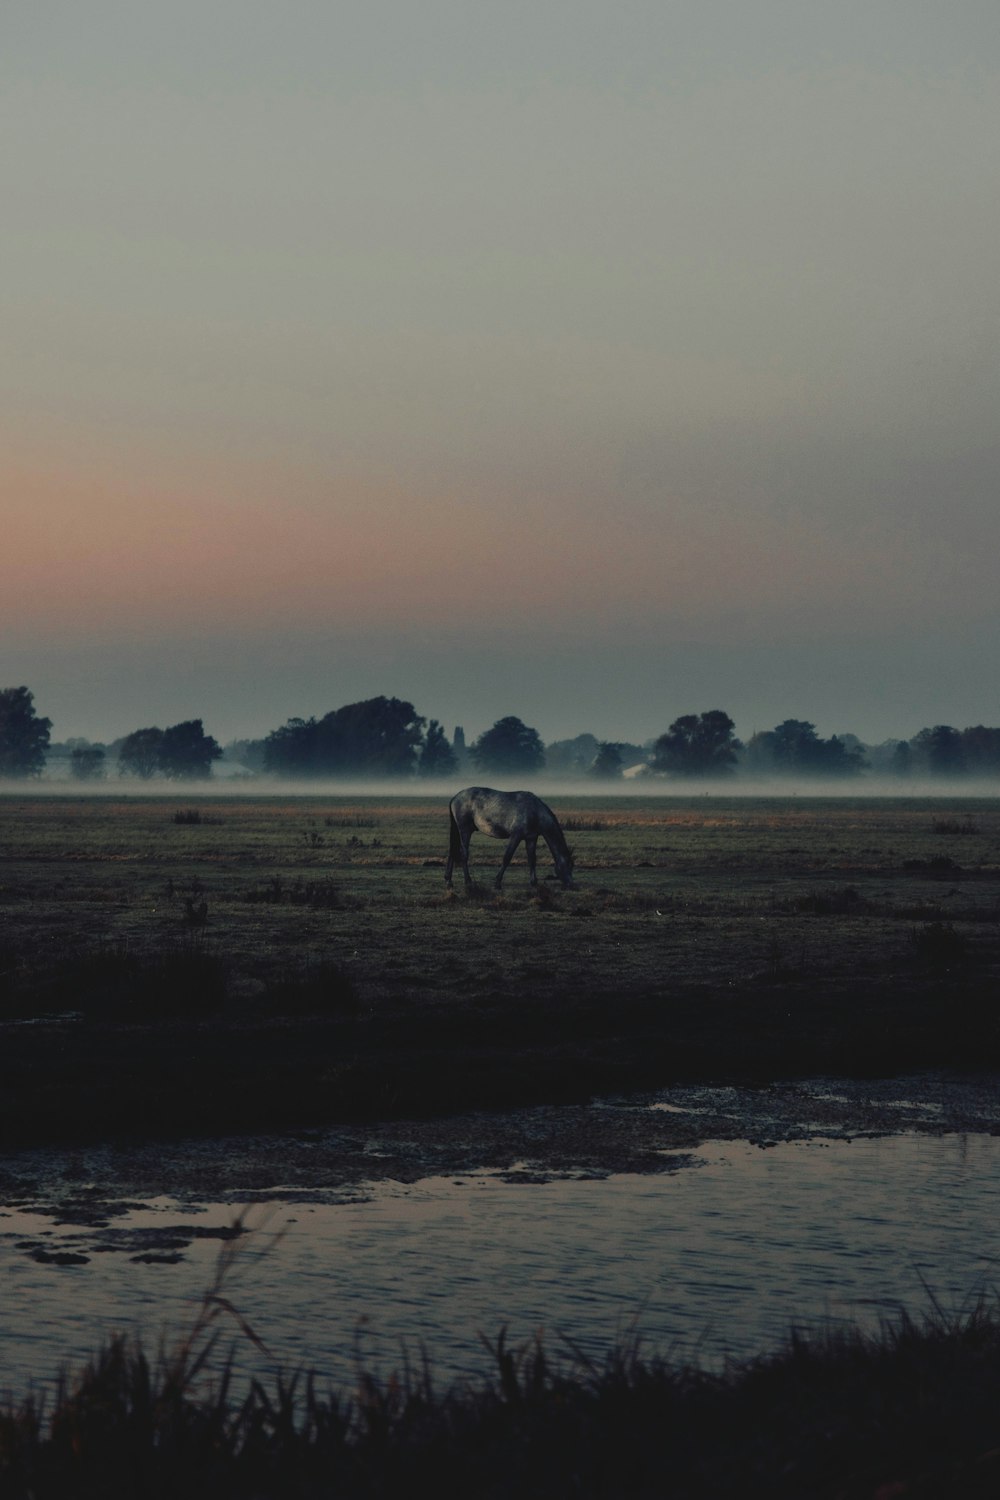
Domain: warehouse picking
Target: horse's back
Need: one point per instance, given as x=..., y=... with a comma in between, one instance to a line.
x=496, y=813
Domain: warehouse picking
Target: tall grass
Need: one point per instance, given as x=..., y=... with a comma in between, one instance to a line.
x=911, y=1411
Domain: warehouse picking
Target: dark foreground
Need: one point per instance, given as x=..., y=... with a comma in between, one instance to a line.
x=913, y=1412
x=303, y=1062
x=287, y=966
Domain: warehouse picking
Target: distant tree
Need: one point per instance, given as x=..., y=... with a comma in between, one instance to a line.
x=882, y=758
x=509, y=748
x=697, y=745
x=793, y=746
x=87, y=762
x=571, y=757
x=246, y=753
x=940, y=750
x=852, y=744
x=378, y=737
x=186, y=752
x=981, y=750
x=901, y=763
x=796, y=745
x=842, y=756
x=459, y=748
x=437, y=758
x=634, y=755
x=293, y=750
x=139, y=753
x=24, y=737
x=607, y=763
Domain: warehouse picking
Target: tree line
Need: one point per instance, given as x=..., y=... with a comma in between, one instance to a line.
x=386, y=738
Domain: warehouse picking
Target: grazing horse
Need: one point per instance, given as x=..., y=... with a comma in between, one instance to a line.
x=505, y=815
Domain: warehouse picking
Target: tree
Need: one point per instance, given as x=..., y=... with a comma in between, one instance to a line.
x=459, y=748
x=24, y=737
x=793, y=746
x=139, y=753
x=697, y=745
x=378, y=737
x=186, y=752
x=292, y=750
x=87, y=762
x=571, y=757
x=607, y=764
x=981, y=749
x=902, y=760
x=246, y=753
x=437, y=758
x=941, y=750
x=509, y=748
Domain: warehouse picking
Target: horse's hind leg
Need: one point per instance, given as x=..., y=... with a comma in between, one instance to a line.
x=508, y=855
x=530, y=846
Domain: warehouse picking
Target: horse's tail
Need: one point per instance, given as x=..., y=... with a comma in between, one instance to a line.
x=454, y=848
x=455, y=838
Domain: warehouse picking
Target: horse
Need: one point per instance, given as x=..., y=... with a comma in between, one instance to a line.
x=514, y=816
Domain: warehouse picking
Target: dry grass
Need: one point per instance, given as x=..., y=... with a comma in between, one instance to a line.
x=766, y=934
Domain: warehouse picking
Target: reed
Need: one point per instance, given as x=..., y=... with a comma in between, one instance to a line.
x=909, y=1411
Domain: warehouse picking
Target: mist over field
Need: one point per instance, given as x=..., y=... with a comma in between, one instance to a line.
x=573, y=789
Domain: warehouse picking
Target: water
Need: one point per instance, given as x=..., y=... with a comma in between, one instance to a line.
x=718, y=1257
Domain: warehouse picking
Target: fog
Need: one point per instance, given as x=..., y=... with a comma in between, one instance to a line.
x=636, y=789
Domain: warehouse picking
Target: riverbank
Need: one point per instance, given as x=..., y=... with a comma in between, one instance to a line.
x=85, y=1077
x=88, y=1184
x=910, y=1412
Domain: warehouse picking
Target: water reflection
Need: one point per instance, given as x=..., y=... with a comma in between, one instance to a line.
x=722, y=1257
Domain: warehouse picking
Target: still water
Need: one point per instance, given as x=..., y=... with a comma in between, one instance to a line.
x=720, y=1256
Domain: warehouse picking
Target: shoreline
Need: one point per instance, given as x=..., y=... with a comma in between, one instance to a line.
x=636, y=1133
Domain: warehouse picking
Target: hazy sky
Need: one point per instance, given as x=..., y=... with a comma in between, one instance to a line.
x=591, y=362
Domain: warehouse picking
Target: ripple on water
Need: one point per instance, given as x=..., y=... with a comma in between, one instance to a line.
x=719, y=1258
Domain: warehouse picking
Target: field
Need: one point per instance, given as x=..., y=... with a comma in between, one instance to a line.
x=236, y=962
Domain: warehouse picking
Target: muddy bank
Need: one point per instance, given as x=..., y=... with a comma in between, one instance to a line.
x=73, y=1079
x=91, y=1186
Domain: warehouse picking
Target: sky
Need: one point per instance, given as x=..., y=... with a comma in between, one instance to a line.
x=594, y=363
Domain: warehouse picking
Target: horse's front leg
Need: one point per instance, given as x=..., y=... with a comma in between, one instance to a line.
x=508, y=855
x=530, y=847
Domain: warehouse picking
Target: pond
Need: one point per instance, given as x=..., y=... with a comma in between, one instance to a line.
x=718, y=1255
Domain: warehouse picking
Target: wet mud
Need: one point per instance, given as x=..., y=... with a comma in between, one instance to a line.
x=86, y=1190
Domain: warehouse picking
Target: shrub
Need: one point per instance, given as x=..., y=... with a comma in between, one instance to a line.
x=114, y=984
x=939, y=945
x=953, y=825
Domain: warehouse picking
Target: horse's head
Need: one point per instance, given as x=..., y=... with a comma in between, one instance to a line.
x=564, y=862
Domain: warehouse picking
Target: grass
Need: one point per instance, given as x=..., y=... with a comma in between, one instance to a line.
x=298, y=960
x=911, y=1411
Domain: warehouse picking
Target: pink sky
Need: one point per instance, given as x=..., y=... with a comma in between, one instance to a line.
x=647, y=369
